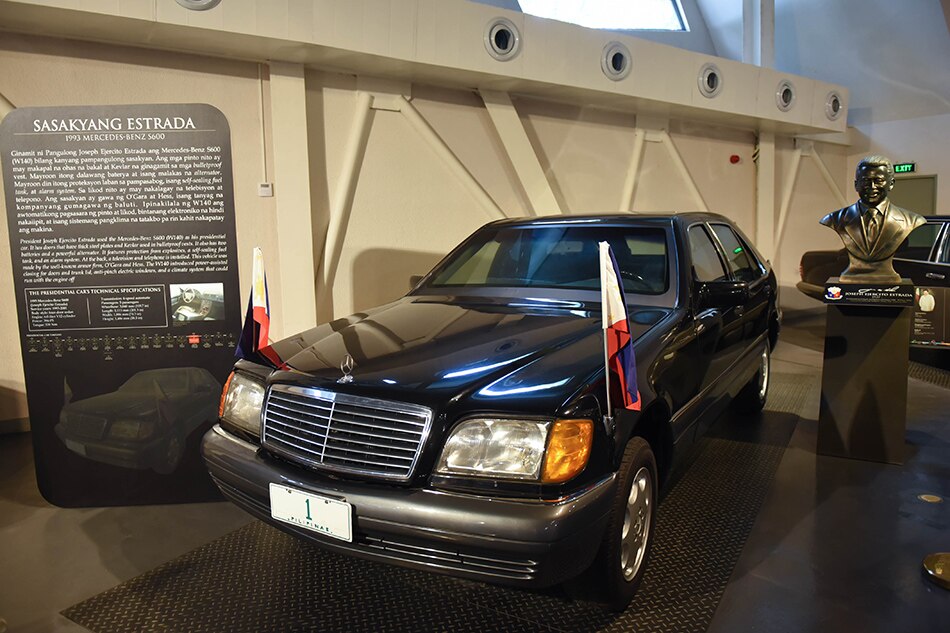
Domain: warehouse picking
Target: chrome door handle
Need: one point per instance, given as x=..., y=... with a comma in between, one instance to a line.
x=934, y=276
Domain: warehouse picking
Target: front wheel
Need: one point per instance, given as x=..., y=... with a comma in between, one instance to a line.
x=624, y=552
x=752, y=397
x=171, y=455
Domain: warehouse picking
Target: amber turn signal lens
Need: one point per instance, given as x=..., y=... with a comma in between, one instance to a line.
x=224, y=394
x=568, y=450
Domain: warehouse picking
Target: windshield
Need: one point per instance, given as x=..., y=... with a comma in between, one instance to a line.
x=558, y=257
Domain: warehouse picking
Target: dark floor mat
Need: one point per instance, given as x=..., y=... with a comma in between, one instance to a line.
x=260, y=579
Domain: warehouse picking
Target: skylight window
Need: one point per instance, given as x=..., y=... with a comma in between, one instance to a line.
x=616, y=15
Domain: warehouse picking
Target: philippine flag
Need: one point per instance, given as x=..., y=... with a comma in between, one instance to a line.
x=253, y=342
x=620, y=356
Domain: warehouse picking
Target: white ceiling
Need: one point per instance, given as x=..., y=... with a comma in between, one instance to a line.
x=893, y=55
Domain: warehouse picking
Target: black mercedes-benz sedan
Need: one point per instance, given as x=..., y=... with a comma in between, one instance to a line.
x=463, y=429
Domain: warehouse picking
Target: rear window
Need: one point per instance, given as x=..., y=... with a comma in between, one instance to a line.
x=558, y=257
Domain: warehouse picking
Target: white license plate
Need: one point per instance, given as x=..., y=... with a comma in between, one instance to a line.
x=313, y=512
x=76, y=447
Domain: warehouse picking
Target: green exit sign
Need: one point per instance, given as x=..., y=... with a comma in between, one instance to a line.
x=905, y=168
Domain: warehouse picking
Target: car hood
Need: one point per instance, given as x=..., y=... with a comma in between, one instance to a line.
x=455, y=349
x=113, y=405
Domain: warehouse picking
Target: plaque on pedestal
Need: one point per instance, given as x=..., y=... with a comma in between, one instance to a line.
x=863, y=410
x=900, y=294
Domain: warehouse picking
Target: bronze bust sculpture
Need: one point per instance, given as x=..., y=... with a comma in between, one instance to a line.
x=872, y=228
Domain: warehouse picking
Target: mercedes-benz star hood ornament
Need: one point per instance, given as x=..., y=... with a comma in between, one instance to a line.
x=347, y=367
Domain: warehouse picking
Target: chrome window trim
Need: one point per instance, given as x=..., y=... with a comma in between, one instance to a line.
x=717, y=247
x=334, y=397
x=940, y=254
x=722, y=250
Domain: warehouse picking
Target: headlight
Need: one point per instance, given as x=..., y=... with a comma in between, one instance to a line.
x=130, y=430
x=515, y=449
x=495, y=448
x=241, y=403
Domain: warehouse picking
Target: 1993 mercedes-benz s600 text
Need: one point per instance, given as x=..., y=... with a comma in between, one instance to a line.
x=463, y=428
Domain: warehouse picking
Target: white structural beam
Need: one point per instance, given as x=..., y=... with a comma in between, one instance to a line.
x=748, y=31
x=758, y=32
x=342, y=203
x=633, y=172
x=684, y=171
x=829, y=179
x=520, y=152
x=787, y=188
x=5, y=107
x=449, y=158
x=765, y=194
x=767, y=33
x=804, y=148
x=292, y=197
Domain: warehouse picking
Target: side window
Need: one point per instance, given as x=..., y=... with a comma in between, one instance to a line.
x=706, y=263
x=919, y=243
x=740, y=263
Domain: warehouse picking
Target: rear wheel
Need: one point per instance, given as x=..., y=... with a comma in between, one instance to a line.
x=625, y=550
x=753, y=396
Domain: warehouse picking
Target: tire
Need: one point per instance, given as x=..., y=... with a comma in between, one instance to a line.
x=171, y=455
x=752, y=398
x=628, y=540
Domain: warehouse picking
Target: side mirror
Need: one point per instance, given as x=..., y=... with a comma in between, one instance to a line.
x=414, y=281
x=721, y=294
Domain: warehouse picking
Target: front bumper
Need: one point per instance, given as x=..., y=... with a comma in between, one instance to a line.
x=521, y=543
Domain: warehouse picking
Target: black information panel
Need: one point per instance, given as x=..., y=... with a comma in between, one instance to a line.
x=122, y=237
x=900, y=294
x=931, y=326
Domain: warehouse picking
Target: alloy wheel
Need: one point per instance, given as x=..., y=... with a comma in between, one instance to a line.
x=636, y=524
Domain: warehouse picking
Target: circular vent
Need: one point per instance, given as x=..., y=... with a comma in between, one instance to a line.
x=785, y=95
x=833, y=105
x=615, y=62
x=199, y=5
x=710, y=80
x=502, y=39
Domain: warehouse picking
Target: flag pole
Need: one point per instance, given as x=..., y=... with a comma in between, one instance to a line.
x=608, y=416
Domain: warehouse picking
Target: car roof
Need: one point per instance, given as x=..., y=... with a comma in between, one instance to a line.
x=612, y=218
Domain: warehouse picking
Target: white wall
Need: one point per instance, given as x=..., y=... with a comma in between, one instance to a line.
x=892, y=56
x=923, y=140
x=409, y=208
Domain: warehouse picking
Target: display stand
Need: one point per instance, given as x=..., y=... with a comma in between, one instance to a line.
x=863, y=409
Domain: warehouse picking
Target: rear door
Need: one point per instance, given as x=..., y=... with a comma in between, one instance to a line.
x=714, y=326
x=924, y=256
x=753, y=317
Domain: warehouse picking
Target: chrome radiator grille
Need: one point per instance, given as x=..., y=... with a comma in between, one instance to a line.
x=325, y=430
